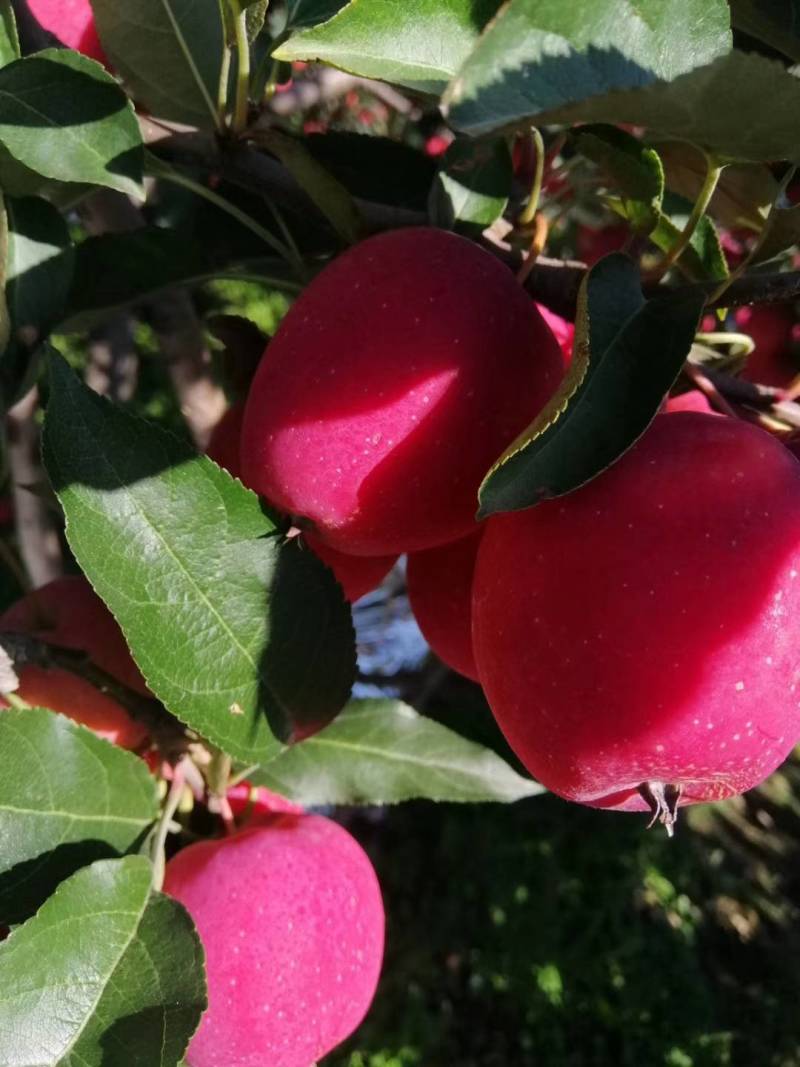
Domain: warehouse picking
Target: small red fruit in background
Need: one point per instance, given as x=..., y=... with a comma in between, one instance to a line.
x=258, y=802
x=594, y=244
x=439, y=584
x=643, y=628
x=357, y=575
x=67, y=613
x=291, y=918
x=65, y=692
x=693, y=400
x=771, y=327
x=72, y=22
x=396, y=379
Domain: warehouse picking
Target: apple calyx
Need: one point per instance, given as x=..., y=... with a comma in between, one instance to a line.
x=662, y=799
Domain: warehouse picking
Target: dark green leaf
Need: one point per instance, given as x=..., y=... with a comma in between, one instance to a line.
x=418, y=43
x=106, y=973
x=772, y=21
x=65, y=118
x=471, y=189
x=689, y=109
x=382, y=752
x=39, y=265
x=544, y=55
x=744, y=191
x=782, y=232
x=242, y=636
x=114, y=271
x=329, y=195
x=9, y=38
x=311, y=12
x=66, y=798
x=169, y=52
x=627, y=354
x=375, y=168
x=633, y=168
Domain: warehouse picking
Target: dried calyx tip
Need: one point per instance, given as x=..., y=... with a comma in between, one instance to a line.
x=663, y=803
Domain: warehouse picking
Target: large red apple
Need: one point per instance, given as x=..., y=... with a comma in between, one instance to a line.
x=68, y=613
x=640, y=634
x=439, y=584
x=65, y=692
x=72, y=22
x=291, y=918
x=395, y=380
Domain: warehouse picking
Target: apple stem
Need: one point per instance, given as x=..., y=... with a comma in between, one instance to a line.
x=663, y=803
x=165, y=822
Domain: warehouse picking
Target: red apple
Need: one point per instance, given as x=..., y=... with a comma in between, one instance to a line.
x=395, y=380
x=563, y=331
x=68, y=613
x=357, y=575
x=72, y=22
x=439, y=584
x=65, y=692
x=693, y=400
x=770, y=326
x=640, y=631
x=594, y=244
x=291, y=918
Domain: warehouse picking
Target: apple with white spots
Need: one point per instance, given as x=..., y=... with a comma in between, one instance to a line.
x=637, y=638
x=394, y=382
x=290, y=914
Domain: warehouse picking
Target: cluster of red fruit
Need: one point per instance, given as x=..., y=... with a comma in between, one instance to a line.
x=633, y=638
x=288, y=908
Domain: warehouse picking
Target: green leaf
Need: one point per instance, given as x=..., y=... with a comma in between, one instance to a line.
x=417, y=43
x=544, y=55
x=634, y=169
x=256, y=15
x=382, y=752
x=703, y=257
x=9, y=38
x=689, y=108
x=106, y=973
x=471, y=189
x=782, y=231
x=39, y=265
x=65, y=118
x=330, y=196
x=114, y=271
x=772, y=21
x=169, y=53
x=743, y=194
x=311, y=12
x=627, y=354
x=66, y=798
x=241, y=635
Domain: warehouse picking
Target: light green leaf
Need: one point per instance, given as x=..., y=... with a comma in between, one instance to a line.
x=627, y=354
x=240, y=634
x=105, y=973
x=633, y=168
x=66, y=798
x=169, y=52
x=64, y=117
x=542, y=56
x=471, y=188
x=688, y=109
x=382, y=752
x=9, y=38
x=417, y=43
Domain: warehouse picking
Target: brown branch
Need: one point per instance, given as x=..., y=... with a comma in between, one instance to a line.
x=175, y=323
x=36, y=526
x=553, y=282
